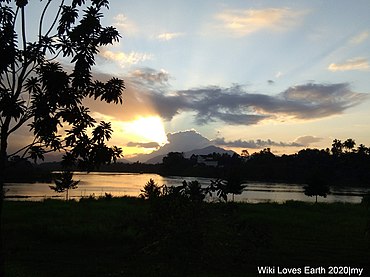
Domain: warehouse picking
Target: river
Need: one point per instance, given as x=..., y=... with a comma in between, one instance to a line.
x=129, y=184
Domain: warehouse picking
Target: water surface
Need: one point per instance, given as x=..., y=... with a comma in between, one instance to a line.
x=129, y=184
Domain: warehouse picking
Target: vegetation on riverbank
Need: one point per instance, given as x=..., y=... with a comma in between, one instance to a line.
x=137, y=237
x=343, y=164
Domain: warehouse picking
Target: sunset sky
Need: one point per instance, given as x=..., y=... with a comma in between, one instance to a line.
x=243, y=74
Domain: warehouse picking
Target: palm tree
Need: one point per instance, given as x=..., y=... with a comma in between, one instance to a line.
x=349, y=144
x=337, y=147
x=362, y=149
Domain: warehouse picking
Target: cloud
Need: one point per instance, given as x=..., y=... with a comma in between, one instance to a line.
x=318, y=100
x=125, y=59
x=150, y=76
x=236, y=106
x=307, y=140
x=244, y=22
x=124, y=24
x=279, y=74
x=148, y=93
x=168, y=36
x=183, y=141
x=358, y=39
x=254, y=144
x=353, y=64
x=143, y=144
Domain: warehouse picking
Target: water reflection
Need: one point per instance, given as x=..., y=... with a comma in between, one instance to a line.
x=122, y=184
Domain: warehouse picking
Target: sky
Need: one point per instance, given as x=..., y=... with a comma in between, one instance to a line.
x=241, y=74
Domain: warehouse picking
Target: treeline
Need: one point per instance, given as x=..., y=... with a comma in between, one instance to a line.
x=342, y=164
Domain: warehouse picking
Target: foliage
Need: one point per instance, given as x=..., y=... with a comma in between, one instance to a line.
x=232, y=185
x=38, y=89
x=151, y=190
x=64, y=182
x=193, y=191
x=122, y=238
x=44, y=79
x=316, y=187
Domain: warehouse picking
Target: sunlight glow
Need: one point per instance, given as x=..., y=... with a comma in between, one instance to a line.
x=146, y=129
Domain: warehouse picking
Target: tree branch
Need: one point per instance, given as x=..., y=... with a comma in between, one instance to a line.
x=23, y=120
x=55, y=19
x=24, y=148
x=55, y=56
x=24, y=29
x=42, y=18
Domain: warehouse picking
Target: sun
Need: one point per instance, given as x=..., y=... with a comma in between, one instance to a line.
x=147, y=129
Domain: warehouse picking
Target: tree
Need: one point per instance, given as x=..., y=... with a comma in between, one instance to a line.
x=175, y=163
x=337, y=147
x=193, y=191
x=232, y=185
x=363, y=150
x=245, y=154
x=151, y=190
x=349, y=144
x=64, y=183
x=38, y=89
x=316, y=186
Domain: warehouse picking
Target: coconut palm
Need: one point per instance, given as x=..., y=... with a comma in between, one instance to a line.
x=349, y=144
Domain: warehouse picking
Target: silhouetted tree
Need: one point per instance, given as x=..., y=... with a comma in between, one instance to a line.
x=316, y=186
x=151, y=190
x=349, y=144
x=362, y=150
x=176, y=163
x=232, y=185
x=36, y=90
x=337, y=147
x=64, y=182
x=245, y=153
x=193, y=191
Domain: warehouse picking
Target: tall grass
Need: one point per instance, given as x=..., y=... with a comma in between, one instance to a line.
x=136, y=237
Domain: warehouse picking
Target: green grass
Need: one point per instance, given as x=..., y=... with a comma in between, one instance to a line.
x=134, y=237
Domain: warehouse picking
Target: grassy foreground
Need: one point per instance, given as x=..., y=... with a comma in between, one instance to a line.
x=134, y=237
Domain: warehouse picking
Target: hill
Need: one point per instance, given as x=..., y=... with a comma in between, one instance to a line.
x=203, y=151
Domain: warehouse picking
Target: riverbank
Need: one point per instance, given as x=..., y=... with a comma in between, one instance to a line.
x=128, y=184
x=133, y=237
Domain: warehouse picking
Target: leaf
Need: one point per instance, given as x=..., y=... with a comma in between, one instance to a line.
x=37, y=152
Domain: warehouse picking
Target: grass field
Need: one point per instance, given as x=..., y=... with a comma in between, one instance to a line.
x=134, y=237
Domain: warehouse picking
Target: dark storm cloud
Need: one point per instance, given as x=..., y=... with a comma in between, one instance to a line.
x=254, y=144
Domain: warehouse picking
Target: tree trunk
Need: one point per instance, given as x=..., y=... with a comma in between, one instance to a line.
x=2, y=192
x=3, y=161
